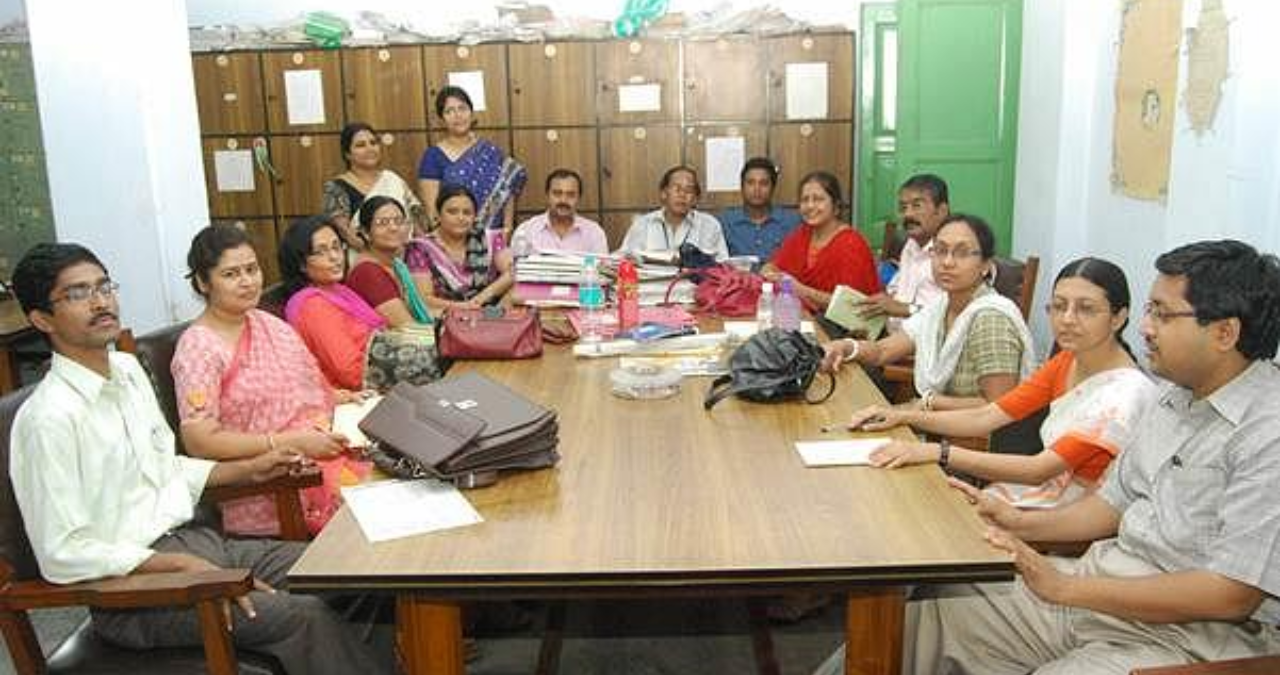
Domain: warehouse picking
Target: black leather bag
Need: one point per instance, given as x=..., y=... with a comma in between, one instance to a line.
x=773, y=365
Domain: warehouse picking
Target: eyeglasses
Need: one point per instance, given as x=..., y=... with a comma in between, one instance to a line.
x=1164, y=315
x=325, y=251
x=683, y=189
x=81, y=293
x=1082, y=311
x=958, y=253
x=393, y=221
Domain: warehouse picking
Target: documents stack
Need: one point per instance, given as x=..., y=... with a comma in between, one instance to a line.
x=548, y=279
x=466, y=428
x=655, y=279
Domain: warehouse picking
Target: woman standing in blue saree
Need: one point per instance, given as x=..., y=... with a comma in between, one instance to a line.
x=464, y=159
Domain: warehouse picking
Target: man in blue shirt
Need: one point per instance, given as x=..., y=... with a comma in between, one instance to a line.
x=757, y=227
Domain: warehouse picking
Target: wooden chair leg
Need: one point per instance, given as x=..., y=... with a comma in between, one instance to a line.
x=219, y=652
x=874, y=621
x=20, y=638
x=552, y=640
x=761, y=636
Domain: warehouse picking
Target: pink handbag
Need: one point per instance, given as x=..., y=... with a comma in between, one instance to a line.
x=491, y=333
x=723, y=290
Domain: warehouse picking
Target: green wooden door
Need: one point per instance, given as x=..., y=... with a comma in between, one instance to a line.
x=958, y=73
x=878, y=120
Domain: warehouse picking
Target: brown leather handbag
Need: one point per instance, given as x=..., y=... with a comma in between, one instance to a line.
x=491, y=333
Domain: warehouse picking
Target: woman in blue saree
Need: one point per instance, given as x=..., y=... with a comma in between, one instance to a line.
x=464, y=159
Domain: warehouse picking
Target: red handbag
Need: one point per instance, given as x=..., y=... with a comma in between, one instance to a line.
x=491, y=333
x=723, y=290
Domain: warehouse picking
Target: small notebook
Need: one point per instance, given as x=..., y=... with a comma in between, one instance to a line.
x=847, y=452
x=843, y=311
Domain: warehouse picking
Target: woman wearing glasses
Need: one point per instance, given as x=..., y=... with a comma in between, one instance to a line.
x=380, y=274
x=1092, y=387
x=245, y=384
x=971, y=345
x=354, y=345
x=468, y=266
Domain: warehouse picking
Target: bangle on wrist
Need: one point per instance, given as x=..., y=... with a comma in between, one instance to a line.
x=926, y=401
x=853, y=354
x=944, y=453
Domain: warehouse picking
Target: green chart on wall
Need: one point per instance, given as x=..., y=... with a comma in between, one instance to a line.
x=25, y=215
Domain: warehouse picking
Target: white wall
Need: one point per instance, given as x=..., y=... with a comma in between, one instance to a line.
x=122, y=142
x=1224, y=183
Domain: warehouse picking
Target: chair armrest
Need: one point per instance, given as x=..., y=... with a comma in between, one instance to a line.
x=1258, y=665
x=132, y=591
x=1066, y=549
x=222, y=493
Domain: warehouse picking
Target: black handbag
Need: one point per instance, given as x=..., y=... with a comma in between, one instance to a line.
x=773, y=365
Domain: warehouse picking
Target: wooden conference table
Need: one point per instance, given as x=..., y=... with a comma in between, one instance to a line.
x=662, y=498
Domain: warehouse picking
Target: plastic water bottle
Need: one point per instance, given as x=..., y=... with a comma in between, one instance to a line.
x=590, y=300
x=628, y=296
x=764, y=307
x=786, y=307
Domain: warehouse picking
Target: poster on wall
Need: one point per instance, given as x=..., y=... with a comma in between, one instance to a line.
x=1207, y=50
x=1146, y=86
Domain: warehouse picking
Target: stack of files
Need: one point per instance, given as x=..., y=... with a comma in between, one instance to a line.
x=550, y=267
x=465, y=428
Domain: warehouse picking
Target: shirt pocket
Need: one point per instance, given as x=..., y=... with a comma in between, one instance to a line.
x=1189, y=499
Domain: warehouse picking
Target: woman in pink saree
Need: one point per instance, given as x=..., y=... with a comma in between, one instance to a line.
x=246, y=383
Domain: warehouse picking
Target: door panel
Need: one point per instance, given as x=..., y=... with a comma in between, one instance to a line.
x=544, y=150
x=235, y=204
x=489, y=60
x=724, y=80
x=229, y=93
x=384, y=87
x=810, y=146
x=553, y=84
x=633, y=160
x=834, y=50
x=401, y=151
x=755, y=137
x=305, y=163
x=274, y=66
x=635, y=66
x=877, y=121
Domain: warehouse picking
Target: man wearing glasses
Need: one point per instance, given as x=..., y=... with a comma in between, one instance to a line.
x=103, y=493
x=1185, y=560
x=661, y=233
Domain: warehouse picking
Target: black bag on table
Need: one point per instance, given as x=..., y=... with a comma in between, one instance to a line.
x=773, y=365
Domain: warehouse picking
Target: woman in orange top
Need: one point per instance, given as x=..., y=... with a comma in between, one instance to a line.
x=1092, y=386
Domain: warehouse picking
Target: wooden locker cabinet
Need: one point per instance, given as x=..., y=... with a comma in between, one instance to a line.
x=755, y=140
x=633, y=160
x=401, y=152
x=491, y=60
x=236, y=204
x=304, y=162
x=836, y=50
x=552, y=84
x=799, y=148
x=265, y=241
x=229, y=93
x=274, y=66
x=725, y=80
x=544, y=150
x=637, y=63
x=616, y=224
x=384, y=87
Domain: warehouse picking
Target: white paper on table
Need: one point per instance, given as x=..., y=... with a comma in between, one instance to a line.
x=304, y=96
x=846, y=452
x=725, y=157
x=806, y=91
x=472, y=82
x=639, y=97
x=393, y=509
x=346, y=420
x=233, y=170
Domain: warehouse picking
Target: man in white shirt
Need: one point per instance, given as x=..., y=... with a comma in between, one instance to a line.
x=677, y=222
x=923, y=203
x=103, y=493
x=560, y=228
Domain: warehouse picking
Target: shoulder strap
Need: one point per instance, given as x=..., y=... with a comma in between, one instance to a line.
x=721, y=388
x=831, y=389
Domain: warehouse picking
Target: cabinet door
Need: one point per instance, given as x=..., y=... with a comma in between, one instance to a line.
x=616, y=224
x=639, y=82
x=552, y=84
x=725, y=80
x=304, y=164
x=401, y=152
x=303, y=91
x=810, y=146
x=229, y=93
x=799, y=55
x=632, y=162
x=232, y=194
x=468, y=66
x=544, y=150
x=384, y=87
x=754, y=142
x=266, y=243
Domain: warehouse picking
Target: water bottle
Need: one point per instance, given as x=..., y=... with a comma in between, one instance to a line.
x=590, y=300
x=786, y=307
x=628, y=296
x=764, y=307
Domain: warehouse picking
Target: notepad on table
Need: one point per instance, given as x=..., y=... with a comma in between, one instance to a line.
x=392, y=509
x=843, y=311
x=845, y=452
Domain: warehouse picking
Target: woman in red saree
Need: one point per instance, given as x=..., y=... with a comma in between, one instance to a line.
x=823, y=252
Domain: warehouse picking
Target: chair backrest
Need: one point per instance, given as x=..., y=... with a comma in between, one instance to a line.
x=155, y=352
x=891, y=246
x=1017, y=281
x=15, y=548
